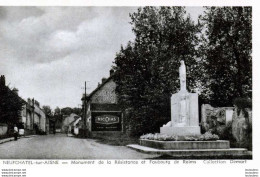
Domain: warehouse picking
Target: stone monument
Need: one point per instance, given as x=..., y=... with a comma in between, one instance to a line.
x=184, y=110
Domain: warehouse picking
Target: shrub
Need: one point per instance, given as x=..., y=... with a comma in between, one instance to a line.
x=162, y=137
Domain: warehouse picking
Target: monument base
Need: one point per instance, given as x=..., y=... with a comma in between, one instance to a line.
x=181, y=131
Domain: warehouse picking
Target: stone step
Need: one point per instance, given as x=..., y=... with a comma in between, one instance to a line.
x=234, y=152
x=174, y=145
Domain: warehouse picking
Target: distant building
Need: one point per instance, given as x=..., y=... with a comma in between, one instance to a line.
x=67, y=120
x=103, y=114
x=74, y=126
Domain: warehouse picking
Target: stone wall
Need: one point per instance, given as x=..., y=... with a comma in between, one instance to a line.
x=106, y=94
x=215, y=117
x=242, y=128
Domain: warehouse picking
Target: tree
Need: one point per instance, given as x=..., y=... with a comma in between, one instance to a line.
x=147, y=69
x=47, y=110
x=227, y=49
x=66, y=111
x=57, y=111
x=10, y=106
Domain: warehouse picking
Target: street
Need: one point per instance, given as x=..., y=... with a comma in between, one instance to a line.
x=60, y=146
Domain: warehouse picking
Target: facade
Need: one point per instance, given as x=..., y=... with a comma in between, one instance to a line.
x=33, y=117
x=67, y=120
x=103, y=114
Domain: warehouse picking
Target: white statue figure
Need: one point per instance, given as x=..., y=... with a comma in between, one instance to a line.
x=182, y=74
x=182, y=114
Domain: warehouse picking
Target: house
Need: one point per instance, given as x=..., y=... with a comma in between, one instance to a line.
x=67, y=120
x=74, y=126
x=103, y=113
x=33, y=116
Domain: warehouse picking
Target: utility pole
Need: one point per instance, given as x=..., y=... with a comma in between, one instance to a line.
x=85, y=109
x=33, y=113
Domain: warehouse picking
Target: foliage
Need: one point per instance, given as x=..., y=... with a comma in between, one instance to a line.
x=147, y=69
x=47, y=110
x=57, y=111
x=242, y=104
x=226, y=54
x=69, y=110
x=162, y=137
x=10, y=106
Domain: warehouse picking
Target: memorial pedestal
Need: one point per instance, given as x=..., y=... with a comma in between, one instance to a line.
x=181, y=131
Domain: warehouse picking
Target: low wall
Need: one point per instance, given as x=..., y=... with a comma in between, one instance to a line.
x=220, y=144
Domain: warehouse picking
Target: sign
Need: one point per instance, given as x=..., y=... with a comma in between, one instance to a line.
x=106, y=121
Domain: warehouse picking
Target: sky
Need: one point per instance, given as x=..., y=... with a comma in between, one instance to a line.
x=49, y=52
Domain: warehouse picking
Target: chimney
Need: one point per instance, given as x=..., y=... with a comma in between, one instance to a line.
x=98, y=84
x=29, y=101
x=111, y=72
x=15, y=90
x=2, y=80
x=103, y=79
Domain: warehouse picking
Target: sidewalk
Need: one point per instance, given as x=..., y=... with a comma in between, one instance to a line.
x=12, y=138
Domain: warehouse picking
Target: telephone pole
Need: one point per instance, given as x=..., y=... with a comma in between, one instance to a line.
x=85, y=109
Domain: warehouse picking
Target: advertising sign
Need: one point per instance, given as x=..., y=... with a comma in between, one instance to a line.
x=106, y=121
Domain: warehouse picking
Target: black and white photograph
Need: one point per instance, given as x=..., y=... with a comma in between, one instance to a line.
x=126, y=82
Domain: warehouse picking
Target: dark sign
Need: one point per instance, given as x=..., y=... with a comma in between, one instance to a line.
x=106, y=121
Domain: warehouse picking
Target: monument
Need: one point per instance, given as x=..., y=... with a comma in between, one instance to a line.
x=185, y=122
x=184, y=110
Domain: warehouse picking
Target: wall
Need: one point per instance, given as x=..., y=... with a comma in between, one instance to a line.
x=215, y=117
x=242, y=128
x=106, y=100
x=106, y=94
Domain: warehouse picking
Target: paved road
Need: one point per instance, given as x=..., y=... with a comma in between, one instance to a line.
x=60, y=146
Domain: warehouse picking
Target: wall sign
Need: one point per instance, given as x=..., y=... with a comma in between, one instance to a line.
x=106, y=121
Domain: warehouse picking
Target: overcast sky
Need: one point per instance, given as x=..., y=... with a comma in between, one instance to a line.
x=48, y=52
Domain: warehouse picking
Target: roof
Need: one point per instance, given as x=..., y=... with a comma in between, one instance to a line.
x=76, y=120
x=99, y=87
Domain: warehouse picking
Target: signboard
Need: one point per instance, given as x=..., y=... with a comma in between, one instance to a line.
x=106, y=121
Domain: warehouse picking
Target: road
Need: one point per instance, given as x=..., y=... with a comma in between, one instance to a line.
x=60, y=146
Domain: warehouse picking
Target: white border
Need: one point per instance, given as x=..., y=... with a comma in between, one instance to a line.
x=200, y=169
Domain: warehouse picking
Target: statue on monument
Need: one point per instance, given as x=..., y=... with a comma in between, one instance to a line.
x=182, y=113
x=182, y=75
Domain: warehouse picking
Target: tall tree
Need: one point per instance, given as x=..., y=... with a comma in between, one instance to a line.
x=57, y=111
x=227, y=58
x=10, y=106
x=47, y=110
x=147, y=69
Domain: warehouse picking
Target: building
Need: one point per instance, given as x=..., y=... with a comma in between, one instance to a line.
x=34, y=117
x=74, y=126
x=67, y=120
x=102, y=112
